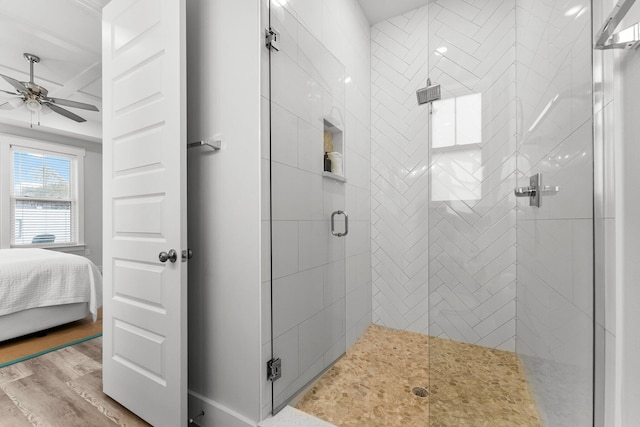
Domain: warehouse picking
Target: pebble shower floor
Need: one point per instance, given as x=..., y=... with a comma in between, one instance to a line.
x=467, y=385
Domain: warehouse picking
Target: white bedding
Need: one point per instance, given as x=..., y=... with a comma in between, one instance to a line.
x=32, y=278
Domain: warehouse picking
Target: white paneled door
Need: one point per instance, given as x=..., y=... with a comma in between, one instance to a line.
x=144, y=169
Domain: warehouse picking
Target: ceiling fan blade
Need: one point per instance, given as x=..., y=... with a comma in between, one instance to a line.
x=10, y=93
x=12, y=104
x=63, y=112
x=74, y=104
x=13, y=82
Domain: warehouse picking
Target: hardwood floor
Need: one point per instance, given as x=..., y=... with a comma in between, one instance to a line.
x=60, y=389
x=24, y=346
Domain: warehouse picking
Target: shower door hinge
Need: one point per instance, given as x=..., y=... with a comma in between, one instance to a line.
x=274, y=369
x=271, y=38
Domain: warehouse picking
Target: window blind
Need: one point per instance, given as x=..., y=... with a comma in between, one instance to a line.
x=43, y=205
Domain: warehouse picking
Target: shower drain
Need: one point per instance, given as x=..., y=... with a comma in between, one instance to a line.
x=420, y=391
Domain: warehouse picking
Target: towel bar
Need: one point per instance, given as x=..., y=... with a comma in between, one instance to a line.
x=216, y=144
x=628, y=38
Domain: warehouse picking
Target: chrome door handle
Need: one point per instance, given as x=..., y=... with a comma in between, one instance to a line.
x=333, y=224
x=171, y=256
x=535, y=191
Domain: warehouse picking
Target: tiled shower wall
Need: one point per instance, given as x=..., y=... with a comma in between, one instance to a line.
x=322, y=284
x=466, y=232
x=399, y=175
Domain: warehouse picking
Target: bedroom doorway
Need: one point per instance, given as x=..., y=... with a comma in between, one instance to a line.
x=158, y=355
x=50, y=163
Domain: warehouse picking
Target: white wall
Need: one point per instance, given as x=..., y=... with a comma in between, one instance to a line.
x=223, y=62
x=92, y=185
x=226, y=318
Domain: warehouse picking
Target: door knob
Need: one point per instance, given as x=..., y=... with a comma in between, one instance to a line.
x=171, y=256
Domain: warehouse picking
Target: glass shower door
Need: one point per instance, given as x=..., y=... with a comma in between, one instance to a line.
x=472, y=217
x=555, y=240
x=511, y=287
x=308, y=223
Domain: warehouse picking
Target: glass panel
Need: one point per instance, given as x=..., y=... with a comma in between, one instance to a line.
x=41, y=176
x=307, y=260
x=40, y=222
x=555, y=241
x=495, y=357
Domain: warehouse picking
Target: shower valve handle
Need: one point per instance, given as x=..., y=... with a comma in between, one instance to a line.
x=536, y=190
x=525, y=191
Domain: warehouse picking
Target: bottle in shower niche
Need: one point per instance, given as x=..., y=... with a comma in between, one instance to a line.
x=336, y=162
x=327, y=162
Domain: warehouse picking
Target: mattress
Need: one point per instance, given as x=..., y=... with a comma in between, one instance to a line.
x=31, y=278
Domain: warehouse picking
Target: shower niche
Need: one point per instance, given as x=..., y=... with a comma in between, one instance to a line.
x=333, y=166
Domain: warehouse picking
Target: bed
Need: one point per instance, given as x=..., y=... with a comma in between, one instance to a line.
x=40, y=289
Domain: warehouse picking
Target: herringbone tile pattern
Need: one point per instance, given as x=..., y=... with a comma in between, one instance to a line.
x=472, y=244
x=445, y=266
x=400, y=161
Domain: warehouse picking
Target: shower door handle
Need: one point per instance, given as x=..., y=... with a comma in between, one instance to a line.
x=333, y=224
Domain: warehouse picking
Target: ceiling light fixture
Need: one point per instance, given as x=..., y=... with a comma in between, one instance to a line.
x=33, y=105
x=15, y=102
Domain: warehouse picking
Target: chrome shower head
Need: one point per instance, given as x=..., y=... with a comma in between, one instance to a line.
x=428, y=94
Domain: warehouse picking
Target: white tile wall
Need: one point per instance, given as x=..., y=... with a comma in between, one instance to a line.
x=466, y=231
x=322, y=284
x=399, y=165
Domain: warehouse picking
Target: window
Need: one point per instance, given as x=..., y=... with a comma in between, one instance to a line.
x=44, y=187
x=456, y=160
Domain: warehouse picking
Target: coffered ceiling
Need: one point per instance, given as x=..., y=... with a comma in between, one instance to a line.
x=66, y=35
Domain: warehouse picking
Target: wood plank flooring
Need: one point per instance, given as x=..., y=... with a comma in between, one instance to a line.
x=30, y=344
x=60, y=389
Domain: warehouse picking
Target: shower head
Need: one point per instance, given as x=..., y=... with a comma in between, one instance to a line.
x=428, y=94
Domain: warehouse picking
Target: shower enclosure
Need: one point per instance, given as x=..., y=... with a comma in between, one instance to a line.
x=471, y=217
x=308, y=226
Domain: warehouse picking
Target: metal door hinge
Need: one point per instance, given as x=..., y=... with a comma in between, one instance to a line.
x=271, y=38
x=274, y=369
x=192, y=420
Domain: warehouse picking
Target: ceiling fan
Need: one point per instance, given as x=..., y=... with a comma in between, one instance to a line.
x=35, y=96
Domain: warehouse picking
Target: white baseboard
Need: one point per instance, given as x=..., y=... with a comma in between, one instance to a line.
x=215, y=414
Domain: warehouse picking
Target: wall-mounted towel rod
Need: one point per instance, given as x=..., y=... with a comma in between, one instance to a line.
x=216, y=144
x=628, y=38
